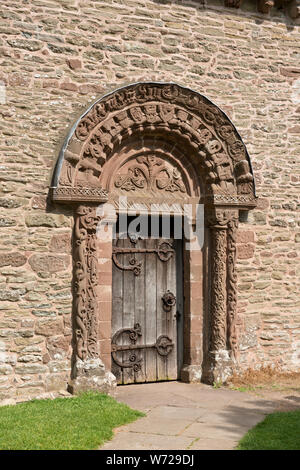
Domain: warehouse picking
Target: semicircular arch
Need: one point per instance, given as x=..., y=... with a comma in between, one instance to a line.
x=162, y=112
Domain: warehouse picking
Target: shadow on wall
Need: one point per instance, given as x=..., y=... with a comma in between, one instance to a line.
x=277, y=13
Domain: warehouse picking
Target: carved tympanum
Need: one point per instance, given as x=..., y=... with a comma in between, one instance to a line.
x=151, y=174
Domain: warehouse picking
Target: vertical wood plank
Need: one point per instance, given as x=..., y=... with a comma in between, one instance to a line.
x=161, y=321
x=179, y=303
x=117, y=310
x=150, y=310
x=128, y=309
x=171, y=328
x=139, y=313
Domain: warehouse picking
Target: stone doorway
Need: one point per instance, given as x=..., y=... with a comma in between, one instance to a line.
x=156, y=143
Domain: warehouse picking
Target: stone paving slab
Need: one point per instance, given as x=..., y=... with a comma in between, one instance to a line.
x=176, y=413
x=212, y=444
x=218, y=431
x=157, y=425
x=234, y=419
x=184, y=416
x=140, y=441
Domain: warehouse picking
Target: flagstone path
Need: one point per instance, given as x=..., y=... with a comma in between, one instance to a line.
x=184, y=416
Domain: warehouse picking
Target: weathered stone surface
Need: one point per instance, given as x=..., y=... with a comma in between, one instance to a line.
x=5, y=369
x=9, y=203
x=74, y=64
x=49, y=263
x=291, y=72
x=39, y=202
x=31, y=369
x=245, y=236
x=91, y=375
x=7, y=222
x=249, y=339
x=43, y=313
x=69, y=86
x=12, y=296
x=28, y=340
x=46, y=220
x=29, y=45
x=49, y=327
x=54, y=382
x=61, y=243
x=245, y=251
x=29, y=358
x=58, y=346
x=295, y=129
x=12, y=259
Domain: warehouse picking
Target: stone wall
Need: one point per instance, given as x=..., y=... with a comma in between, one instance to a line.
x=57, y=57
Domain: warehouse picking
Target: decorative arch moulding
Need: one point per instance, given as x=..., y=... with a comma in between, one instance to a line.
x=153, y=120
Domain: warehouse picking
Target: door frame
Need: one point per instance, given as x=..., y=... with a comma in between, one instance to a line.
x=178, y=309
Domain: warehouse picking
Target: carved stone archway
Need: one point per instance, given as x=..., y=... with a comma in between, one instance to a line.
x=198, y=156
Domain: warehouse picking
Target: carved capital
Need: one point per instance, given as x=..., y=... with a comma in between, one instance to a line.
x=218, y=217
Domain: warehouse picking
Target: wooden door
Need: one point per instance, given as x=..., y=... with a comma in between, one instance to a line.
x=146, y=309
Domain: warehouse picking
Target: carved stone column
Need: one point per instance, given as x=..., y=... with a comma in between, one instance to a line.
x=88, y=369
x=222, y=339
x=231, y=287
x=218, y=288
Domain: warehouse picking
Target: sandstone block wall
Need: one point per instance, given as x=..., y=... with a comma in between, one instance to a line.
x=57, y=57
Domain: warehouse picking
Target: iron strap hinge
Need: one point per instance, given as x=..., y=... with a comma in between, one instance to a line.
x=163, y=346
x=164, y=252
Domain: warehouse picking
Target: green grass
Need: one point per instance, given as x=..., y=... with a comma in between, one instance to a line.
x=246, y=388
x=84, y=422
x=278, y=431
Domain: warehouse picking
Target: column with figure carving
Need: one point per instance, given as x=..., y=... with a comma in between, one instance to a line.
x=221, y=223
x=88, y=371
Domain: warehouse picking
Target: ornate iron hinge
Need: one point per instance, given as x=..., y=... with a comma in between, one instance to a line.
x=164, y=252
x=163, y=346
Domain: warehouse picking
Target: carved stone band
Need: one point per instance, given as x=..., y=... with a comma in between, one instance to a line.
x=78, y=194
